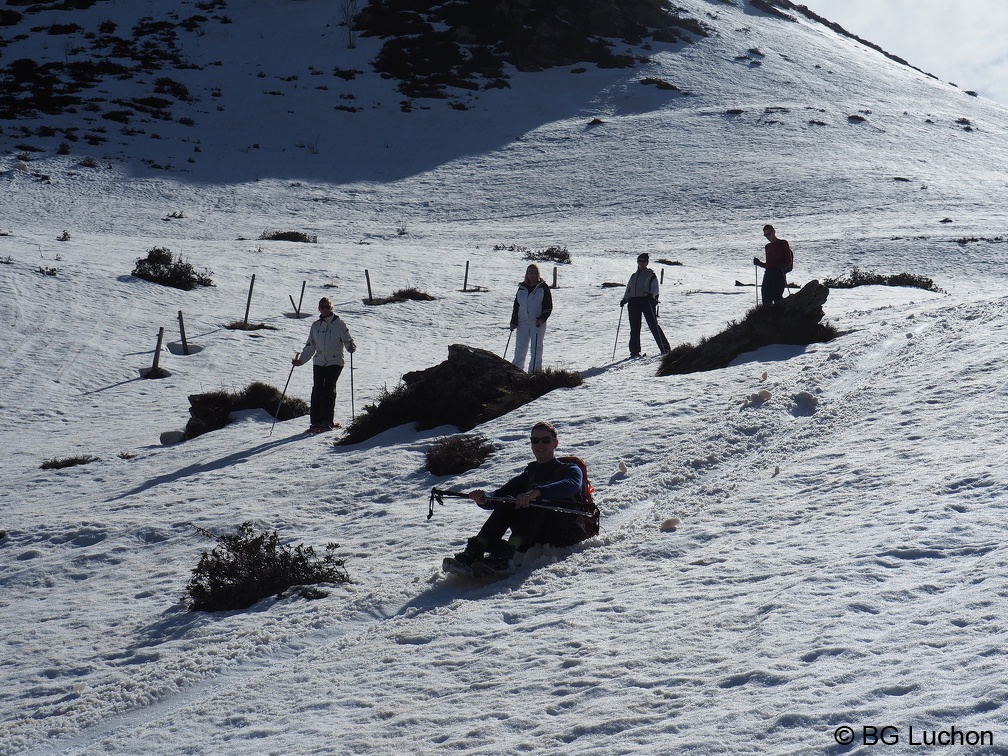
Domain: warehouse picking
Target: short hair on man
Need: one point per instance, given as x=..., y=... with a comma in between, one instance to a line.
x=548, y=427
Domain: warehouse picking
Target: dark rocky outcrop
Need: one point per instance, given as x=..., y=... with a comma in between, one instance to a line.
x=794, y=320
x=469, y=388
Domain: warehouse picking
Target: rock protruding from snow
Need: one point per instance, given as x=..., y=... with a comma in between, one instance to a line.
x=793, y=320
x=469, y=388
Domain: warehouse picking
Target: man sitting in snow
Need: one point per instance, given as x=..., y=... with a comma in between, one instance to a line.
x=560, y=482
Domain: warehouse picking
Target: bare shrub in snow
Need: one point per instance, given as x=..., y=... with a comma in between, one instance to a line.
x=246, y=567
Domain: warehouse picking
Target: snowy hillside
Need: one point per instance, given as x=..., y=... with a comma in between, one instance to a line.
x=840, y=559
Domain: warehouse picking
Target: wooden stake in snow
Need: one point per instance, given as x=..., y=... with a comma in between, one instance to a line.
x=157, y=352
x=554, y=276
x=181, y=325
x=248, y=304
x=465, y=281
x=297, y=307
x=367, y=276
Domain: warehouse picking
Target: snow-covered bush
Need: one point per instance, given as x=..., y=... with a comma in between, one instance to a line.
x=866, y=278
x=292, y=236
x=212, y=411
x=245, y=567
x=161, y=267
x=452, y=455
x=59, y=463
x=471, y=387
x=402, y=295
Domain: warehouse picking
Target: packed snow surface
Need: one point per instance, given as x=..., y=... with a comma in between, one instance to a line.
x=840, y=557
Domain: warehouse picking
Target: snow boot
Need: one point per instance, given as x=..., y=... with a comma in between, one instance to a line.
x=496, y=564
x=462, y=563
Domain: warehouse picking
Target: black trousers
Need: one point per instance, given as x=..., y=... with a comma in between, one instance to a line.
x=323, y=395
x=774, y=282
x=636, y=307
x=530, y=526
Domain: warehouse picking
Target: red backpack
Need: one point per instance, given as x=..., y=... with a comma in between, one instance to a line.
x=589, y=521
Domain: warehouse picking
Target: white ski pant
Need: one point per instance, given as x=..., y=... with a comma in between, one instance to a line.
x=527, y=335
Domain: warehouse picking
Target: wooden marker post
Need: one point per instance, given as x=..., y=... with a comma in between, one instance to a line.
x=301, y=300
x=367, y=276
x=554, y=276
x=661, y=278
x=181, y=325
x=248, y=304
x=157, y=351
x=465, y=281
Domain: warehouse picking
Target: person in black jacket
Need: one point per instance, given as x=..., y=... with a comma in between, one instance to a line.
x=533, y=305
x=642, y=297
x=546, y=478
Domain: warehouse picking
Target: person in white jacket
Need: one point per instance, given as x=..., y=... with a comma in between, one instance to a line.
x=326, y=339
x=533, y=305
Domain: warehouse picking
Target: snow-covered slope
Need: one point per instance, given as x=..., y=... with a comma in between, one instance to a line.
x=839, y=560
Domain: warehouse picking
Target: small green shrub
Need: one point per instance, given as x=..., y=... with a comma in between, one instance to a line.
x=543, y=381
x=60, y=463
x=866, y=278
x=550, y=254
x=246, y=567
x=212, y=411
x=241, y=325
x=402, y=295
x=452, y=455
x=291, y=236
x=161, y=267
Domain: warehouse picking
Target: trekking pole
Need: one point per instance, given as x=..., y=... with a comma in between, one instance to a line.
x=353, y=412
x=438, y=495
x=538, y=504
x=615, y=343
x=283, y=394
x=510, y=334
x=535, y=349
x=757, y=283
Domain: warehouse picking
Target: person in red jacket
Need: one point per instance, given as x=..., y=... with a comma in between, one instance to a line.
x=779, y=261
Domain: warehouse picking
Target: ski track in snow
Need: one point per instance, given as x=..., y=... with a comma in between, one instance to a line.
x=839, y=559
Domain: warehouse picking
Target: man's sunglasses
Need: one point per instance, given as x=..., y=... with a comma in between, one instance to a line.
x=541, y=439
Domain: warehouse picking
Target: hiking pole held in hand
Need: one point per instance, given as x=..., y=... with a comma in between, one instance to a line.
x=353, y=412
x=438, y=495
x=510, y=334
x=284, y=393
x=616, y=343
x=757, y=283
